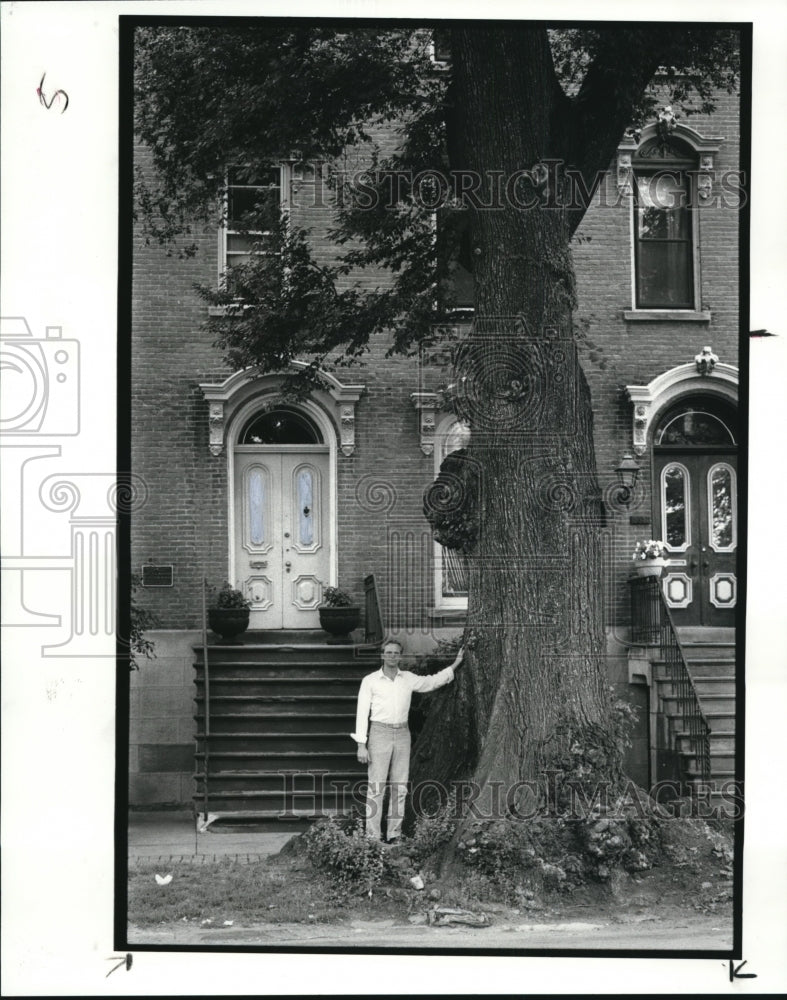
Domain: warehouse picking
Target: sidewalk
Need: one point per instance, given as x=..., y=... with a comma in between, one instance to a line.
x=172, y=836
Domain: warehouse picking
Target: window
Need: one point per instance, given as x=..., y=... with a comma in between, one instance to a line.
x=255, y=200
x=457, y=292
x=440, y=48
x=280, y=426
x=698, y=423
x=663, y=242
x=450, y=564
x=676, y=507
x=665, y=269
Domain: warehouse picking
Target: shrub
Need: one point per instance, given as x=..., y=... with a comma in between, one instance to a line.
x=507, y=847
x=514, y=855
x=432, y=831
x=336, y=598
x=588, y=759
x=352, y=860
x=140, y=620
x=227, y=597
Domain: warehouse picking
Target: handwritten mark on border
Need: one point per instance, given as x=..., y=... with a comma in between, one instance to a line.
x=128, y=961
x=735, y=972
x=42, y=97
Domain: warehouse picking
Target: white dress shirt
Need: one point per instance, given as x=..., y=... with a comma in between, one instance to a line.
x=389, y=700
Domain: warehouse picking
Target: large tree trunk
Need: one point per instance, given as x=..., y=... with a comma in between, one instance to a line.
x=536, y=673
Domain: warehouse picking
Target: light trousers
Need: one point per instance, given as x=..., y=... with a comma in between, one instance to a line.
x=389, y=760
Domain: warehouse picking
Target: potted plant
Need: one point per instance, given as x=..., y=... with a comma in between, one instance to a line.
x=648, y=557
x=338, y=615
x=228, y=613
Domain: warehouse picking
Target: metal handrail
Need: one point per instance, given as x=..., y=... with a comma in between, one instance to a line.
x=373, y=618
x=206, y=702
x=652, y=624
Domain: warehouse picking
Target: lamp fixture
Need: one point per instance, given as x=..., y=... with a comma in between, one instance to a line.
x=627, y=473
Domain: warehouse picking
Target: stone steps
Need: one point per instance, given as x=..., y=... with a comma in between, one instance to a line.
x=710, y=659
x=282, y=708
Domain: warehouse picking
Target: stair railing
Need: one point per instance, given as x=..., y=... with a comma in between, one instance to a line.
x=375, y=630
x=652, y=625
x=206, y=702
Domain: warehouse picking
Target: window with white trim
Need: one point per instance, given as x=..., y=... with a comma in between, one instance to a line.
x=675, y=507
x=440, y=48
x=722, y=496
x=255, y=199
x=450, y=565
x=666, y=269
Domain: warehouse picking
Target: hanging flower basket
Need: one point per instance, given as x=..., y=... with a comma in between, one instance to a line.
x=649, y=567
x=648, y=558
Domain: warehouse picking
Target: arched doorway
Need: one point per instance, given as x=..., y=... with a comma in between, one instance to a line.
x=282, y=521
x=695, y=494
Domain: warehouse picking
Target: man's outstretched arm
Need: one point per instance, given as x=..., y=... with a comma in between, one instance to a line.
x=431, y=683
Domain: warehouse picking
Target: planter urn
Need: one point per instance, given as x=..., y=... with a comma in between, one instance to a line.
x=339, y=622
x=229, y=623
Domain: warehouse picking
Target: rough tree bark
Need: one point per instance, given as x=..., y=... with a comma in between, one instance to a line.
x=537, y=668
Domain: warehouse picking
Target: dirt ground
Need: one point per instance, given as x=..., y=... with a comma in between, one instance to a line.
x=668, y=932
x=684, y=903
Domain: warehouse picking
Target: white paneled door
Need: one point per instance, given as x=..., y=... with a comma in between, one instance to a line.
x=699, y=522
x=282, y=532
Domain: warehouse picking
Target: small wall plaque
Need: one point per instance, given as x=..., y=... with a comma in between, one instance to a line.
x=158, y=576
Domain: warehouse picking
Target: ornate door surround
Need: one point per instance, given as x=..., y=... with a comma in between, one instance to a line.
x=700, y=581
x=233, y=402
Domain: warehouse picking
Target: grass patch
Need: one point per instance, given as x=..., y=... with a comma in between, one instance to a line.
x=261, y=892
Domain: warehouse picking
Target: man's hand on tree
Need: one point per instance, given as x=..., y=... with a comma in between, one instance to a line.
x=363, y=754
x=459, y=657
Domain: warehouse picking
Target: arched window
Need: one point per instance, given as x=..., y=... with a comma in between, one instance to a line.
x=280, y=426
x=697, y=423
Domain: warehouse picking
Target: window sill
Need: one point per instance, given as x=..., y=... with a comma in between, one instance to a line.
x=448, y=616
x=669, y=315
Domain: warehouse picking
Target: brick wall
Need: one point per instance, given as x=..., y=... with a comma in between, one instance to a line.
x=635, y=352
x=380, y=486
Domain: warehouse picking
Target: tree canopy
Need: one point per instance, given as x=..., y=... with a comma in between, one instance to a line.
x=307, y=92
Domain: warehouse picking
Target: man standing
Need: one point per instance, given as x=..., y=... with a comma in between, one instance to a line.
x=385, y=699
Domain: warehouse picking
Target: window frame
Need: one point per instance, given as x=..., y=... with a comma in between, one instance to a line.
x=439, y=62
x=685, y=169
x=725, y=466
x=687, y=511
x=442, y=602
x=458, y=313
x=224, y=230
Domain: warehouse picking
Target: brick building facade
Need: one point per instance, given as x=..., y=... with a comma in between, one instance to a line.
x=382, y=436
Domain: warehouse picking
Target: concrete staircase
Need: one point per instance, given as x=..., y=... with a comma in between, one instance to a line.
x=282, y=707
x=710, y=657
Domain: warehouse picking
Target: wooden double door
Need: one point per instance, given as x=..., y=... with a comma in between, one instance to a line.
x=697, y=518
x=282, y=532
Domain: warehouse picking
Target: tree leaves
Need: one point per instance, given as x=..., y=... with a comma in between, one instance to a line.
x=210, y=96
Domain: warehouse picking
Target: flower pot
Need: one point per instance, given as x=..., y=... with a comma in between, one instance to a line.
x=339, y=622
x=229, y=623
x=649, y=567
